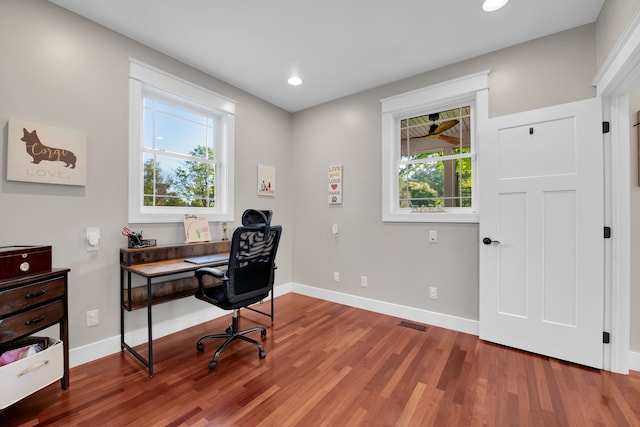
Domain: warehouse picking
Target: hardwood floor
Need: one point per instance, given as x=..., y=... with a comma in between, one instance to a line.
x=333, y=365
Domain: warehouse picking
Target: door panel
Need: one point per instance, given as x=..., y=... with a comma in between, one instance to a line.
x=513, y=262
x=541, y=197
x=559, y=263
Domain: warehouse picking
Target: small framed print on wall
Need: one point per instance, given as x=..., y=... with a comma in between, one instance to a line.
x=335, y=184
x=266, y=180
x=45, y=154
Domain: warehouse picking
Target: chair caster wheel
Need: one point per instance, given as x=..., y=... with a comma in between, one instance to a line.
x=200, y=346
x=263, y=334
x=262, y=354
x=229, y=330
x=212, y=365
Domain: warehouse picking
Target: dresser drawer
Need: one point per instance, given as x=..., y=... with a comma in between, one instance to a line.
x=25, y=376
x=18, y=299
x=31, y=321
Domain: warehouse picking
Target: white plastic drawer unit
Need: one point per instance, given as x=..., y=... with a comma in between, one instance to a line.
x=25, y=376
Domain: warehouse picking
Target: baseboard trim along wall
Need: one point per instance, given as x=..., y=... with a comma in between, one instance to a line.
x=634, y=361
x=108, y=346
x=409, y=313
x=96, y=350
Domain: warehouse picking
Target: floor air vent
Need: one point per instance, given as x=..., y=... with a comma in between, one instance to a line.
x=413, y=326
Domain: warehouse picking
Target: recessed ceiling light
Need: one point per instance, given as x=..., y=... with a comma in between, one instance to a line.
x=493, y=5
x=295, y=81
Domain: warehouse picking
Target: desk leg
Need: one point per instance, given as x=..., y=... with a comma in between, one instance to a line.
x=123, y=345
x=149, y=325
x=122, y=306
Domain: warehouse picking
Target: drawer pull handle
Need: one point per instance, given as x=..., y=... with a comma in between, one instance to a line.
x=35, y=294
x=34, y=321
x=32, y=367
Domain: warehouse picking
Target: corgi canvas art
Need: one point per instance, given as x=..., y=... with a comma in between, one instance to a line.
x=39, y=153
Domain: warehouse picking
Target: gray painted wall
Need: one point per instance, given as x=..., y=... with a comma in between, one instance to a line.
x=612, y=21
x=397, y=259
x=61, y=70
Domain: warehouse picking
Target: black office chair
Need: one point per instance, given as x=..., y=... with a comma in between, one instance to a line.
x=248, y=279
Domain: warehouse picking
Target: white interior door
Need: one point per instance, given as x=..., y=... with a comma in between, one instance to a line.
x=541, y=219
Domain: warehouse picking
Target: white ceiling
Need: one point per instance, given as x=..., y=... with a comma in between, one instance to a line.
x=338, y=47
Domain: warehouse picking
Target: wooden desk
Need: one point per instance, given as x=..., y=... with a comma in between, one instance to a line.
x=156, y=265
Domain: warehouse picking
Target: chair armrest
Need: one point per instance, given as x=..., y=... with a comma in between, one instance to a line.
x=210, y=271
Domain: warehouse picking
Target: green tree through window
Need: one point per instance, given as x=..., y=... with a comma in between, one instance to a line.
x=191, y=184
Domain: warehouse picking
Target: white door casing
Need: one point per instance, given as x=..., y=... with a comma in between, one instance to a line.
x=541, y=199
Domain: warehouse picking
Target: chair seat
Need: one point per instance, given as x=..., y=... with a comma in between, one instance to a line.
x=215, y=295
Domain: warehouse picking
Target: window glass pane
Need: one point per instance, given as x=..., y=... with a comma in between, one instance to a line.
x=180, y=113
x=438, y=184
x=174, y=130
x=445, y=130
x=147, y=130
x=169, y=181
x=177, y=135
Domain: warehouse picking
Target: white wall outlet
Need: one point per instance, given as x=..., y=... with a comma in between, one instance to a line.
x=433, y=292
x=336, y=276
x=433, y=236
x=363, y=281
x=92, y=318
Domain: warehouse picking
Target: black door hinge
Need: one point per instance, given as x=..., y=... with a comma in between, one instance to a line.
x=606, y=337
x=607, y=232
x=605, y=127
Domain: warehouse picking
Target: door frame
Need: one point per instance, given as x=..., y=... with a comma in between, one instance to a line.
x=616, y=78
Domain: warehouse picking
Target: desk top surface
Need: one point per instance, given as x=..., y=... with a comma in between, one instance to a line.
x=170, y=266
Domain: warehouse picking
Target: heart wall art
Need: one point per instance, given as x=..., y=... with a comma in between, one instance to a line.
x=335, y=184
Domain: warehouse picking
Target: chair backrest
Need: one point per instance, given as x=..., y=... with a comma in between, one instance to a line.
x=253, y=217
x=251, y=261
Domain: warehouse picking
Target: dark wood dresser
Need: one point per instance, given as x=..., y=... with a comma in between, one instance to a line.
x=32, y=303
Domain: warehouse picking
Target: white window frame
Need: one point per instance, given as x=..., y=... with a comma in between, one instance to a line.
x=143, y=79
x=469, y=90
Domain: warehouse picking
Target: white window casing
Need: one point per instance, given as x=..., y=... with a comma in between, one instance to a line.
x=472, y=90
x=145, y=79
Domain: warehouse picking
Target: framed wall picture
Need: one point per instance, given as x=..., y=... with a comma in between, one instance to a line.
x=266, y=180
x=335, y=184
x=45, y=154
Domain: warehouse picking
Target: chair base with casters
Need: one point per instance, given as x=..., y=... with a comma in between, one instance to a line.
x=232, y=333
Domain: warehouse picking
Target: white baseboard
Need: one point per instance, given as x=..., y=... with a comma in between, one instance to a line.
x=108, y=346
x=98, y=349
x=634, y=361
x=410, y=313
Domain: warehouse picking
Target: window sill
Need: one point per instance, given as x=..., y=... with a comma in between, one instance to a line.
x=418, y=217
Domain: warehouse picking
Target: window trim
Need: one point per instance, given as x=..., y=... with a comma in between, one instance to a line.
x=144, y=78
x=472, y=89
